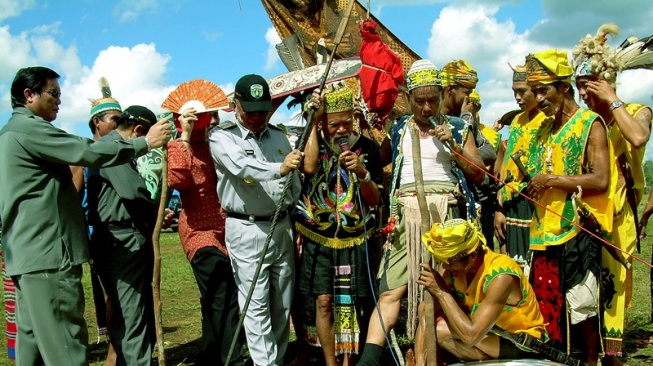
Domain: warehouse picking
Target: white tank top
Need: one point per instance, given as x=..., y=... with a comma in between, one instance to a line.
x=436, y=161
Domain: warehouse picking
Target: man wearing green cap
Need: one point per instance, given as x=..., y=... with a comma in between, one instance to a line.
x=253, y=160
x=123, y=216
x=44, y=236
x=572, y=154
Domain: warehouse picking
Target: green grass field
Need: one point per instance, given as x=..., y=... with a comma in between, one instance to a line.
x=181, y=311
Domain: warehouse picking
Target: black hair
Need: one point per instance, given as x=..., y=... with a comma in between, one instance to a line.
x=33, y=78
x=561, y=83
x=128, y=120
x=91, y=125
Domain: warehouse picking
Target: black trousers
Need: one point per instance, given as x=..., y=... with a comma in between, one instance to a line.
x=217, y=287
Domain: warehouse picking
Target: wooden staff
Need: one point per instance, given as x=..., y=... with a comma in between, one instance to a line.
x=156, y=273
x=429, y=316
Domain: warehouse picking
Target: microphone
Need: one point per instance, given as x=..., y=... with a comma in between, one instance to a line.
x=434, y=123
x=344, y=146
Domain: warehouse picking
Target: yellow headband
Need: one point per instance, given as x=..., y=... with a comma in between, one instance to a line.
x=338, y=98
x=548, y=67
x=459, y=72
x=453, y=239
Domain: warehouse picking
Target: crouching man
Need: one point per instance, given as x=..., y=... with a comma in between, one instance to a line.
x=478, y=290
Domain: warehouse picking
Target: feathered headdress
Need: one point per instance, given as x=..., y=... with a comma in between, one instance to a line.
x=202, y=95
x=593, y=57
x=106, y=103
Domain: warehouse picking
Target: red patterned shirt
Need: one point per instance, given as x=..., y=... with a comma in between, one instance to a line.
x=191, y=172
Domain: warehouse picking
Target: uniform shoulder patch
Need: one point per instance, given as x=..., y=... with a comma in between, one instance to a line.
x=226, y=125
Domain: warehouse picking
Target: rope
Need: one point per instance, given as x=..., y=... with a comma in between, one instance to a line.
x=609, y=244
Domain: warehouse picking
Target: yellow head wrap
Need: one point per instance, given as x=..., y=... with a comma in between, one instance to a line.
x=338, y=98
x=459, y=72
x=422, y=73
x=548, y=67
x=475, y=98
x=453, y=239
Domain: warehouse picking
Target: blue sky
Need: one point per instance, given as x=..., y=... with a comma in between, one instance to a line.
x=147, y=47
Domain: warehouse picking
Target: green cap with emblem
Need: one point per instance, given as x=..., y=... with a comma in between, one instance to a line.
x=253, y=93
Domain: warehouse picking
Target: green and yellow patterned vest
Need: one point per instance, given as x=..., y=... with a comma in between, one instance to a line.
x=522, y=134
x=563, y=153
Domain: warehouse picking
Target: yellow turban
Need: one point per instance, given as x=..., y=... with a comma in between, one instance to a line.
x=453, y=239
x=459, y=72
x=548, y=67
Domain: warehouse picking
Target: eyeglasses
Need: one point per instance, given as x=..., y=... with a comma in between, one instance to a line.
x=55, y=93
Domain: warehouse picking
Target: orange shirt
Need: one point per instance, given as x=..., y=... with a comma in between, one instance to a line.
x=201, y=222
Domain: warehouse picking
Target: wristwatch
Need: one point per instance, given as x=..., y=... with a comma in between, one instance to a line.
x=616, y=104
x=366, y=178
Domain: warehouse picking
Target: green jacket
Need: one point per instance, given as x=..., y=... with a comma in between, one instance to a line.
x=119, y=196
x=40, y=209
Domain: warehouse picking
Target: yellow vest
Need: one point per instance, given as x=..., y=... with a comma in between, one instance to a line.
x=634, y=157
x=566, y=151
x=523, y=318
x=521, y=136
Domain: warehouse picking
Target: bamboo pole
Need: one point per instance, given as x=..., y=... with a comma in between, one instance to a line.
x=428, y=309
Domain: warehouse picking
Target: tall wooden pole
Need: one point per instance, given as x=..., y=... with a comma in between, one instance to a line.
x=156, y=273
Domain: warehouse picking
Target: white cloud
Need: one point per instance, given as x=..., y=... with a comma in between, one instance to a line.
x=34, y=47
x=136, y=76
x=128, y=10
x=13, y=8
x=486, y=44
x=271, y=55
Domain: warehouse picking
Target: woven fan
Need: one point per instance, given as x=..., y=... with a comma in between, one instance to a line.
x=200, y=94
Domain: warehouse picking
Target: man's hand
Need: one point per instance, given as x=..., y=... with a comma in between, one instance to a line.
x=443, y=133
x=353, y=164
x=299, y=241
x=317, y=103
x=168, y=215
x=497, y=126
x=538, y=184
x=467, y=106
x=291, y=162
x=500, y=226
x=159, y=134
x=431, y=280
x=602, y=90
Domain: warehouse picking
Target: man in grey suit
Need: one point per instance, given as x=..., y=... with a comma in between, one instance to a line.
x=43, y=224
